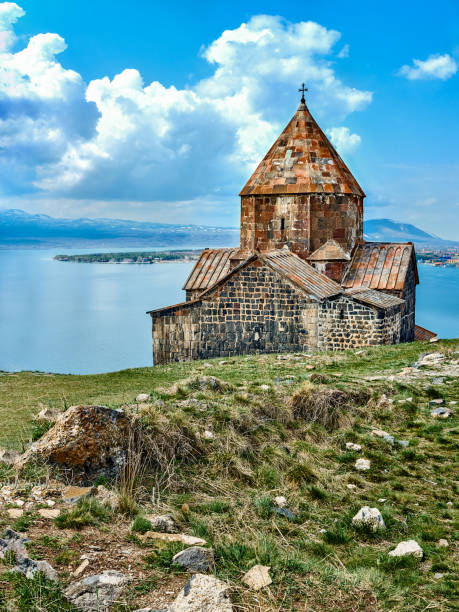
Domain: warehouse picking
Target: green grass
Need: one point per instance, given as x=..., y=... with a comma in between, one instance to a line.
x=223, y=489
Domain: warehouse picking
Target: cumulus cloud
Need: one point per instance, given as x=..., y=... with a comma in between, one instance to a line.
x=343, y=140
x=123, y=139
x=434, y=67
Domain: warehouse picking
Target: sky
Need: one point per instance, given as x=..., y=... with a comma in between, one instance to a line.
x=161, y=111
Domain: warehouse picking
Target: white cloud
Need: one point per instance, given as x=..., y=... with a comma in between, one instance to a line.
x=344, y=52
x=123, y=139
x=434, y=67
x=343, y=140
x=9, y=14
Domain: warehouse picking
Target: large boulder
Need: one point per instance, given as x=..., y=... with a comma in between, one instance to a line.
x=195, y=559
x=203, y=594
x=370, y=517
x=408, y=548
x=98, y=592
x=86, y=440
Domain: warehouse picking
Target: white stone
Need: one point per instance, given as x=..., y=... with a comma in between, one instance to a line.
x=174, y=537
x=15, y=513
x=265, y=387
x=19, y=502
x=80, y=569
x=280, y=501
x=362, y=465
x=380, y=433
x=208, y=435
x=382, y=500
x=49, y=513
x=50, y=502
x=351, y=487
x=442, y=543
x=353, y=447
x=203, y=594
x=408, y=547
x=369, y=516
x=257, y=577
x=142, y=397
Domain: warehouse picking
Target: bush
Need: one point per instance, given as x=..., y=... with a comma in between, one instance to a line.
x=319, y=404
x=86, y=512
x=141, y=525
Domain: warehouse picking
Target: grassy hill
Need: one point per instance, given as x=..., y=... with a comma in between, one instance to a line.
x=280, y=426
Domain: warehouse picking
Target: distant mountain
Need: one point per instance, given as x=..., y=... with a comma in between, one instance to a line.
x=21, y=229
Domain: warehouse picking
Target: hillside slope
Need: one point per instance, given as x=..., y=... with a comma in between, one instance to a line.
x=276, y=426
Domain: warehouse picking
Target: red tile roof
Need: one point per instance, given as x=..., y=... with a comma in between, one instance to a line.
x=420, y=333
x=380, y=265
x=212, y=265
x=302, y=160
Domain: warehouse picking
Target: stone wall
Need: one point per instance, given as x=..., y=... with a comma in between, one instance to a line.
x=409, y=307
x=345, y=323
x=303, y=222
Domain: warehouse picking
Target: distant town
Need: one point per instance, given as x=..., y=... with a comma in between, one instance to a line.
x=443, y=257
x=136, y=257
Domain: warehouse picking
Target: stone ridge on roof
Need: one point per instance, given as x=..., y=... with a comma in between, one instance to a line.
x=380, y=265
x=212, y=265
x=302, y=160
x=330, y=251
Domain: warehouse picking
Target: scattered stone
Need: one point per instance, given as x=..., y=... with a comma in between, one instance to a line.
x=49, y=513
x=429, y=359
x=265, y=387
x=50, y=503
x=174, y=537
x=222, y=363
x=286, y=512
x=438, y=575
x=29, y=567
x=203, y=594
x=435, y=339
x=163, y=523
x=195, y=559
x=72, y=494
x=80, y=569
x=362, y=465
x=280, y=501
x=351, y=487
x=380, y=433
x=436, y=402
x=449, y=503
x=309, y=367
x=257, y=577
x=407, y=548
x=142, y=397
x=382, y=500
x=208, y=435
x=107, y=497
x=353, y=447
x=403, y=443
x=96, y=593
x=438, y=381
x=14, y=513
x=13, y=542
x=88, y=441
x=8, y=456
x=19, y=502
x=442, y=543
x=441, y=413
x=371, y=517
x=361, y=352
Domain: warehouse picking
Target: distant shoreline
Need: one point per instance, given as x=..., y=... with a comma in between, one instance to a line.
x=135, y=257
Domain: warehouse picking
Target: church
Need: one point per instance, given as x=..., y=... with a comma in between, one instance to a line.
x=303, y=277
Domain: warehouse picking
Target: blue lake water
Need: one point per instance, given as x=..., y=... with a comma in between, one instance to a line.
x=87, y=318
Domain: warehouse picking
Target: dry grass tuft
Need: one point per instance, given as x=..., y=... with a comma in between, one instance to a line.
x=319, y=404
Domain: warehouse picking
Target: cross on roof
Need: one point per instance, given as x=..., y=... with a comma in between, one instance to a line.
x=303, y=89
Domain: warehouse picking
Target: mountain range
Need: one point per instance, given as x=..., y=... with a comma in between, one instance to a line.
x=19, y=229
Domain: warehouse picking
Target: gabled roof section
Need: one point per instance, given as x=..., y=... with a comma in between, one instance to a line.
x=302, y=160
x=211, y=266
x=301, y=273
x=374, y=298
x=421, y=333
x=381, y=265
x=330, y=251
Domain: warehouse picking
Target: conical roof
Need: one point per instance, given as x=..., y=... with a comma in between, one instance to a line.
x=302, y=160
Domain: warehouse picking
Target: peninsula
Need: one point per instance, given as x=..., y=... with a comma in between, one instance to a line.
x=135, y=257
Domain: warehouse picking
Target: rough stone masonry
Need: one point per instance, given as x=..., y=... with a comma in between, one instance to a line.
x=303, y=278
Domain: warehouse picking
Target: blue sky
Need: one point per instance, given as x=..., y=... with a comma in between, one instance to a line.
x=156, y=111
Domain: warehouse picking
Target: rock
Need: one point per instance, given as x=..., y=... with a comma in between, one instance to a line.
x=208, y=435
x=408, y=547
x=436, y=402
x=280, y=501
x=403, y=443
x=163, y=523
x=13, y=542
x=257, y=577
x=442, y=543
x=435, y=339
x=351, y=487
x=50, y=503
x=142, y=397
x=430, y=359
x=371, y=517
x=88, y=441
x=107, y=497
x=96, y=593
x=14, y=513
x=362, y=465
x=173, y=537
x=353, y=447
x=8, y=456
x=438, y=575
x=48, y=414
x=195, y=559
x=265, y=387
x=49, y=513
x=203, y=594
x=380, y=433
x=29, y=567
x=286, y=512
x=80, y=569
x=72, y=494
x=441, y=413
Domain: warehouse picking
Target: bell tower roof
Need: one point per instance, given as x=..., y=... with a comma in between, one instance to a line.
x=302, y=160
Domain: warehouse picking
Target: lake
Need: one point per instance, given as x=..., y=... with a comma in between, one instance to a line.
x=88, y=318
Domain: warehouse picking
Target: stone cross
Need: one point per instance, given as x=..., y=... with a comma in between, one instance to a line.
x=303, y=89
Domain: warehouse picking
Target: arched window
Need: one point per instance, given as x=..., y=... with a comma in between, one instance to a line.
x=282, y=224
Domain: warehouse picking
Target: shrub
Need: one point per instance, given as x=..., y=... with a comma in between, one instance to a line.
x=141, y=524
x=319, y=405
x=300, y=473
x=86, y=512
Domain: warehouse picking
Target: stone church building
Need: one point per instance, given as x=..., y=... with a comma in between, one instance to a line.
x=303, y=277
